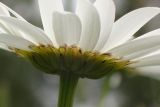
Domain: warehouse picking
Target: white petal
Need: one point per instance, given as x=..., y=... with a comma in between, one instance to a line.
x=24, y=29
x=157, y=52
x=12, y=11
x=90, y=24
x=4, y=47
x=125, y=27
x=92, y=1
x=137, y=45
x=147, y=61
x=15, y=42
x=70, y=5
x=151, y=33
x=3, y=28
x=135, y=48
x=67, y=28
x=4, y=11
x=151, y=71
x=141, y=53
x=150, y=54
x=47, y=8
x=106, y=10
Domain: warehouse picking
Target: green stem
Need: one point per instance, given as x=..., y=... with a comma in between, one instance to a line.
x=68, y=83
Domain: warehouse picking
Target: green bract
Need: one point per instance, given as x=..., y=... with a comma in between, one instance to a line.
x=72, y=59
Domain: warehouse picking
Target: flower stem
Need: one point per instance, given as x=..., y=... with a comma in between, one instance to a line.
x=68, y=83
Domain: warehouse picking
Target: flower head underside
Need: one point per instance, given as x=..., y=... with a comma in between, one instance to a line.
x=85, y=39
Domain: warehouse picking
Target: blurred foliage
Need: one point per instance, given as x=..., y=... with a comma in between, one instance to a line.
x=16, y=82
x=141, y=92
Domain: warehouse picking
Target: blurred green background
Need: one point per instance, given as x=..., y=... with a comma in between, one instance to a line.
x=21, y=85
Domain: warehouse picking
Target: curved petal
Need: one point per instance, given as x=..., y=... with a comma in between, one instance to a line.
x=70, y=5
x=152, y=60
x=3, y=28
x=12, y=11
x=149, y=34
x=4, y=11
x=125, y=27
x=150, y=54
x=67, y=28
x=24, y=29
x=150, y=71
x=47, y=8
x=154, y=53
x=92, y=1
x=15, y=42
x=4, y=47
x=137, y=45
x=106, y=10
x=90, y=24
x=141, y=53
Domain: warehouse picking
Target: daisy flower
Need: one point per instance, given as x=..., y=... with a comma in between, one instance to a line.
x=82, y=40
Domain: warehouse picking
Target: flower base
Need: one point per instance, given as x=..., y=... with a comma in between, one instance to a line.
x=85, y=64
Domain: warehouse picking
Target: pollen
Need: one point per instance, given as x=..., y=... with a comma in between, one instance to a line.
x=85, y=64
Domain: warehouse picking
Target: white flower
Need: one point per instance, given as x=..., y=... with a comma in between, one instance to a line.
x=90, y=26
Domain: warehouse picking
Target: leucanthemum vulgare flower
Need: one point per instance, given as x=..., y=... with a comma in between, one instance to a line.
x=82, y=40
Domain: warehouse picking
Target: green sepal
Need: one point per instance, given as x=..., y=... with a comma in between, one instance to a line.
x=86, y=64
